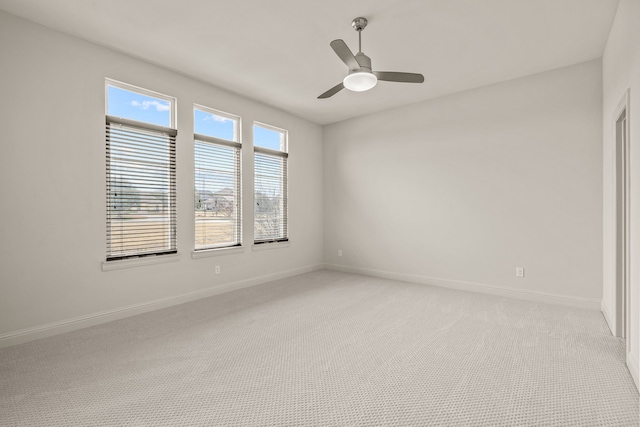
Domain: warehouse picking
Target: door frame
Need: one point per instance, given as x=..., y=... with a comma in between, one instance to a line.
x=621, y=212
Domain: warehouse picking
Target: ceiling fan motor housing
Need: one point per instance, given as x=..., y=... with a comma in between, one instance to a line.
x=364, y=61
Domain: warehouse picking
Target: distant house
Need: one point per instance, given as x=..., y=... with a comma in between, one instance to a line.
x=220, y=202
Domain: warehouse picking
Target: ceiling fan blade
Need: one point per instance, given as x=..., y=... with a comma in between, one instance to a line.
x=342, y=50
x=394, y=76
x=337, y=88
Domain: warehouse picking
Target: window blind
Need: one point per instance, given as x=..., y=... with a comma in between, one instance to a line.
x=141, y=189
x=218, y=215
x=270, y=198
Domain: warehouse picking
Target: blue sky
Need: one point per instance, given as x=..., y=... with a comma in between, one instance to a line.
x=267, y=138
x=135, y=106
x=213, y=125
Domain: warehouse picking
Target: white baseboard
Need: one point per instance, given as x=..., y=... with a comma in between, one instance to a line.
x=68, y=325
x=592, y=304
x=607, y=317
x=632, y=364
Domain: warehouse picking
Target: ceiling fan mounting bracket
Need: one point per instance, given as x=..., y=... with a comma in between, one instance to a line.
x=359, y=24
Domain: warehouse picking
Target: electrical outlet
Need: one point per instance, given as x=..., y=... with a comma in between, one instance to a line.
x=519, y=271
x=339, y=252
x=217, y=269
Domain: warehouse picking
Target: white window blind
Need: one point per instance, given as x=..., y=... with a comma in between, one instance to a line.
x=218, y=216
x=141, y=189
x=270, y=186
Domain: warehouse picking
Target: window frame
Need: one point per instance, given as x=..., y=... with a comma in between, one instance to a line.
x=236, y=119
x=114, y=260
x=283, y=153
x=236, y=143
x=173, y=114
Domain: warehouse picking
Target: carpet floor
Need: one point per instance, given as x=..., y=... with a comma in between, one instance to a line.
x=328, y=349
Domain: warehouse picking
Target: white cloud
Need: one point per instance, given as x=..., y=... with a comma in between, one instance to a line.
x=216, y=118
x=159, y=106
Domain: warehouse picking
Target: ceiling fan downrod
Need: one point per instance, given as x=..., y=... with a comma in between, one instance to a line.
x=359, y=24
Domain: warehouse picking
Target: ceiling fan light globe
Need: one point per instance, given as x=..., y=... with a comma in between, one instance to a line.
x=360, y=81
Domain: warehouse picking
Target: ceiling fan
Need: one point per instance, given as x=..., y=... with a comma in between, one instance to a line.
x=361, y=77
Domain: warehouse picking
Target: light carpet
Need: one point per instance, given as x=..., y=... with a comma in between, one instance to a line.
x=324, y=349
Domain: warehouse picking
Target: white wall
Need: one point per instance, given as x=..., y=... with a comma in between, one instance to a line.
x=462, y=189
x=621, y=71
x=52, y=182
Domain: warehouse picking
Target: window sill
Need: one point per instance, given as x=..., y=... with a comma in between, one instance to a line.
x=274, y=245
x=206, y=253
x=138, y=262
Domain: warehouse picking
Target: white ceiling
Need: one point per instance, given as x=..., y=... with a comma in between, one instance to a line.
x=278, y=52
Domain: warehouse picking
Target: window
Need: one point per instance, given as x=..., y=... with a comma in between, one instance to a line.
x=270, y=186
x=141, y=172
x=218, y=217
